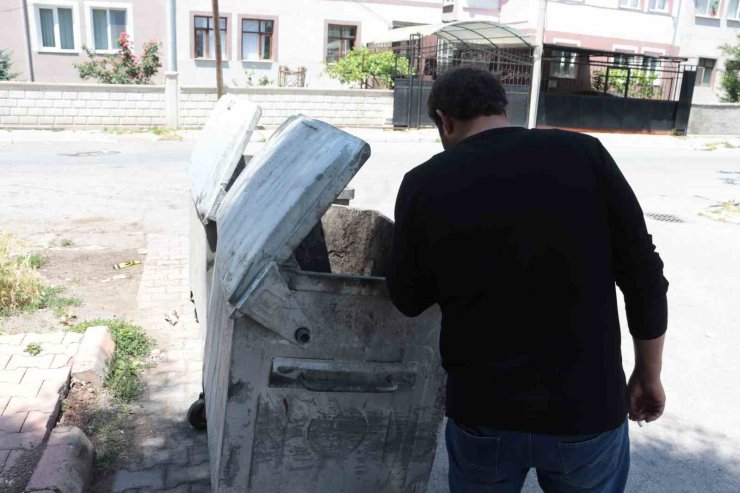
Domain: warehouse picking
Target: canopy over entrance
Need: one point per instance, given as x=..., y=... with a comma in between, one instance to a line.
x=472, y=33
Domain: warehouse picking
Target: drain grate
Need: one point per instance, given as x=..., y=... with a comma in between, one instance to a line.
x=667, y=218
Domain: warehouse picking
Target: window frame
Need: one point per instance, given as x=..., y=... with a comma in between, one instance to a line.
x=274, y=41
x=639, y=5
x=556, y=66
x=700, y=83
x=666, y=10
x=90, y=6
x=226, y=38
x=707, y=15
x=733, y=16
x=36, y=41
x=357, y=42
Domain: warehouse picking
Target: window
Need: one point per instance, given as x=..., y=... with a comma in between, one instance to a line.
x=205, y=37
x=624, y=61
x=629, y=4
x=707, y=8
x=563, y=65
x=733, y=12
x=107, y=26
x=55, y=28
x=659, y=5
x=340, y=41
x=704, y=70
x=257, y=41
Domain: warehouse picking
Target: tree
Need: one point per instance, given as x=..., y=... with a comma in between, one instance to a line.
x=5, y=66
x=359, y=65
x=124, y=67
x=730, y=81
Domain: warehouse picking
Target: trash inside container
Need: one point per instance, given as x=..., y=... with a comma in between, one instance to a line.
x=216, y=161
x=314, y=382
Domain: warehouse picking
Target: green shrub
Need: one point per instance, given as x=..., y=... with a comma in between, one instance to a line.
x=730, y=81
x=359, y=65
x=124, y=67
x=6, y=65
x=641, y=83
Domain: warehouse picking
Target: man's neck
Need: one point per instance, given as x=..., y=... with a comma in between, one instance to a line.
x=483, y=123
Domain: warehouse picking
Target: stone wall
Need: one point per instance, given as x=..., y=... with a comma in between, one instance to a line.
x=340, y=107
x=715, y=119
x=43, y=105
x=46, y=105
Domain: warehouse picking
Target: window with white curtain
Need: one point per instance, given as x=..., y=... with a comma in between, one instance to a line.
x=55, y=27
x=708, y=8
x=107, y=26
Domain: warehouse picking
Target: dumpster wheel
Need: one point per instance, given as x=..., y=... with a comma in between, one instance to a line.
x=197, y=413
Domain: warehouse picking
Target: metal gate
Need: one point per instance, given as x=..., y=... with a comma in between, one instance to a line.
x=423, y=58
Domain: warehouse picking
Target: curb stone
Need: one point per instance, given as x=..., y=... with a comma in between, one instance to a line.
x=66, y=464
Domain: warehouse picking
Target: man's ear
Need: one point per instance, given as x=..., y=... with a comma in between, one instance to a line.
x=447, y=123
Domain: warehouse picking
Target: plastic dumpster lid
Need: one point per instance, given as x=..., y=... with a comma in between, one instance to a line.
x=280, y=196
x=218, y=151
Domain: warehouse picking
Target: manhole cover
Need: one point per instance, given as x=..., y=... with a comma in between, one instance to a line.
x=90, y=153
x=668, y=218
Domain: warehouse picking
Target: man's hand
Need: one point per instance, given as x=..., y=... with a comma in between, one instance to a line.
x=647, y=398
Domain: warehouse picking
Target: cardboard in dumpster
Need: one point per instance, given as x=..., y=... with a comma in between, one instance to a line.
x=217, y=153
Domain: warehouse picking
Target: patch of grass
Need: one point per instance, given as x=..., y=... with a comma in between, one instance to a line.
x=21, y=287
x=51, y=297
x=133, y=346
x=66, y=242
x=33, y=349
x=36, y=260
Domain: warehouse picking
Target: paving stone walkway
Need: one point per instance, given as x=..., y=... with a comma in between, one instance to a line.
x=175, y=456
x=31, y=389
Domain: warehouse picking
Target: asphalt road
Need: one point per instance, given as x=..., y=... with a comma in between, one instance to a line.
x=128, y=186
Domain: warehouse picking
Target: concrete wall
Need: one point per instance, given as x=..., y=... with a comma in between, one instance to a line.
x=94, y=105
x=80, y=105
x=364, y=108
x=715, y=119
x=300, y=34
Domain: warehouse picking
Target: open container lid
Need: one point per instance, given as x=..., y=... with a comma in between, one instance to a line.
x=217, y=153
x=280, y=197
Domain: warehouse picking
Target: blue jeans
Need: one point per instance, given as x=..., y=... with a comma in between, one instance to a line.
x=496, y=461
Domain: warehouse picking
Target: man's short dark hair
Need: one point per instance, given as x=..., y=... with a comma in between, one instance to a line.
x=466, y=93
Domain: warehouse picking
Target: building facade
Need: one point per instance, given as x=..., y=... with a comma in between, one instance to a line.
x=58, y=30
x=301, y=36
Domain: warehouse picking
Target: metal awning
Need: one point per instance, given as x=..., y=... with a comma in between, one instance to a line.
x=466, y=32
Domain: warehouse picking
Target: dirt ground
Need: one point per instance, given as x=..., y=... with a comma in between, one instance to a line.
x=87, y=273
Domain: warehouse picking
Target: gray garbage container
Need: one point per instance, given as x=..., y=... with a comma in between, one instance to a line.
x=314, y=382
x=216, y=161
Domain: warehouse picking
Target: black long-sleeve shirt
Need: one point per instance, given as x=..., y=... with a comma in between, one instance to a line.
x=520, y=236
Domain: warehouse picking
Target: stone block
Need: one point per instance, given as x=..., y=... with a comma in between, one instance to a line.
x=19, y=111
x=70, y=112
x=80, y=120
x=62, y=103
x=96, y=349
x=66, y=464
x=27, y=361
x=12, y=423
x=10, y=120
x=26, y=103
x=71, y=95
x=93, y=120
x=100, y=96
x=117, y=96
x=176, y=475
x=46, y=120
x=29, y=120
x=63, y=120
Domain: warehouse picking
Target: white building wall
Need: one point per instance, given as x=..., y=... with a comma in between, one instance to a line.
x=300, y=34
x=701, y=37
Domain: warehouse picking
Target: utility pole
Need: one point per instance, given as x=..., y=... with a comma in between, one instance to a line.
x=534, y=98
x=29, y=51
x=171, y=77
x=217, y=37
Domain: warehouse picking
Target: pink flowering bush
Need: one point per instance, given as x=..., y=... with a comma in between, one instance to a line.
x=124, y=67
